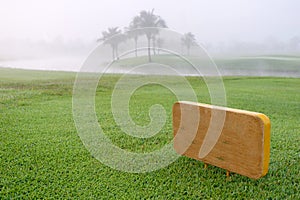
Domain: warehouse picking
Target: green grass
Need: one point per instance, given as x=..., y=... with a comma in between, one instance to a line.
x=261, y=63
x=269, y=64
x=41, y=155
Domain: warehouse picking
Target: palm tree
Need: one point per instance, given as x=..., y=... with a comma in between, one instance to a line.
x=113, y=36
x=188, y=40
x=149, y=21
x=134, y=32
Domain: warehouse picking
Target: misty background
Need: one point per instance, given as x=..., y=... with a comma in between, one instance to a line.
x=60, y=34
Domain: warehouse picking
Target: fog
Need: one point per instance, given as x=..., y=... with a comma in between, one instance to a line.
x=60, y=34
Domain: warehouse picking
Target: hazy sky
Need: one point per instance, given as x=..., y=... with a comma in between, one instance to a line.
x=209, y=20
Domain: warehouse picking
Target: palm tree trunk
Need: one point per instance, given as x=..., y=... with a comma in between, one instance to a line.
x=113, y=52
x=153, y=45
x=149, y=53
x=117, y=55
x=188, y=50
x=135, y=45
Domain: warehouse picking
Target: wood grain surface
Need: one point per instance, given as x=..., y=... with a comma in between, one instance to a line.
x=232, y=139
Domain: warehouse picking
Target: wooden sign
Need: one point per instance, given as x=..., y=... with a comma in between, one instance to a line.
x=232, y=139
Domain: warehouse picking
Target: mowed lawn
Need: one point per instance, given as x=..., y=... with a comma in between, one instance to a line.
x=42, y=156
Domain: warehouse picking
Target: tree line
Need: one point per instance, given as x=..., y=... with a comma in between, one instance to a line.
x=144, y=24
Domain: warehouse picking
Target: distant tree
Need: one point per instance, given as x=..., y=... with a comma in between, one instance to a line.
x=188, y=40
x=134, y=32
x=148, y=20
x=113, y=36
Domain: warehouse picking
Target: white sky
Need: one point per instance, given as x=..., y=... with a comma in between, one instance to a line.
x=209, y=20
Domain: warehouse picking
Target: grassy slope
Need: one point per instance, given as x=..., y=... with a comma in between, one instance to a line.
x=271, y=63
x=41, y=154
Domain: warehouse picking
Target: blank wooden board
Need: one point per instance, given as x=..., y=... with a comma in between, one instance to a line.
x=242, y=144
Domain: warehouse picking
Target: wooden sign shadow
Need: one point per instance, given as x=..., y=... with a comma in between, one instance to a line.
x=241, y=145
